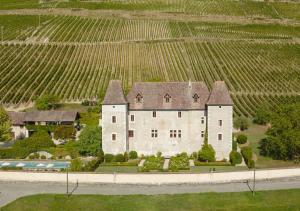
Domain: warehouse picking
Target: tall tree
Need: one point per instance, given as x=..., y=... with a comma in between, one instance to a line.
x=47, y=102
x=283, y=138
x=5, y=124
x=89, y=142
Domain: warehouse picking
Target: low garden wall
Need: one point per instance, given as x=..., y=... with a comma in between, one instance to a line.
x=149, y=178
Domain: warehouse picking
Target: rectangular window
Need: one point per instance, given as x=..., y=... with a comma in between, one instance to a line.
x=220, y=137
x=202, y=120
x=113, y=137
x=132, y=118
x=202, y=133
x=173, y=133
x=130, y=133
x=179, y=114
x=220, y=122
x=154, y=114
x=179, y=133
x=113, y=119
x=154, y=133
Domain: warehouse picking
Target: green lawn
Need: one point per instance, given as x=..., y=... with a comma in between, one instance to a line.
x=265, y=200
x=255, y=133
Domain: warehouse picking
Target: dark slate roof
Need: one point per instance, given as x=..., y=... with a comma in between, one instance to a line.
x=19, y=118
x=114, y=94
x=181, y=94
x=219, y=94
x=16, y=118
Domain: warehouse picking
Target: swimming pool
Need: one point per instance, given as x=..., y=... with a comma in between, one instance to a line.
x=36, y=164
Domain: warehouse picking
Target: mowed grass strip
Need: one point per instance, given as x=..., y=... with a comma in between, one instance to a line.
x=263, y=200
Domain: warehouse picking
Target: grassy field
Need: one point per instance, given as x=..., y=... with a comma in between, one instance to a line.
x=264, y=200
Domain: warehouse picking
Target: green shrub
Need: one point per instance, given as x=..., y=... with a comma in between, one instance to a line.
x=119, y=158
x=152, y=163
x=76, y=165
x=235, y=157
x=262, y=116
x=64, y=132
x=234, y=145
x=100, y=156
x=108, y=158
x=207, y=153
x=241, y=123
x=194, y=155
x=133, y=155
x=43, y=157
x=241, y=139
x=8, y=168
x=92, y=165
x=251, y=164
x=126, y=158
x=6, y=153
x=158, y=154
x=179, y=162
x=247, y=155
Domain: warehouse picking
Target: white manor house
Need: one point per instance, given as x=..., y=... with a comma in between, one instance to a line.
x=167, y=117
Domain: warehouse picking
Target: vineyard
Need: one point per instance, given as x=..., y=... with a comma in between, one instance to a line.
x=76, y=56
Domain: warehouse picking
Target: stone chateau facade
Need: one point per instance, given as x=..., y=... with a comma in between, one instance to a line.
x=167, y=117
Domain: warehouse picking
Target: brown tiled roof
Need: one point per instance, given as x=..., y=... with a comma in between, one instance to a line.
x=181, y=94
x=20, y=118
x=16, y=118
x=219, y=94
x=51, y=116
x=114, y=93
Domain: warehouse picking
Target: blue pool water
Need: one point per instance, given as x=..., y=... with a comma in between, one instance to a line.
x=36, y=164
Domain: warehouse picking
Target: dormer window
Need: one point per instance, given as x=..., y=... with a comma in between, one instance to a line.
x=196, y=98
x=139, y=98
x=167, y=98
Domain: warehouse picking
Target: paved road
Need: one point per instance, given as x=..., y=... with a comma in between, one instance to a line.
x=10, y=191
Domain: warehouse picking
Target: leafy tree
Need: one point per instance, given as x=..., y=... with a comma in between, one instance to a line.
x=4, y=126
x=283, y=138
x=241, y=139
x=89, y=143
x=207, y=153
x=47, y=102
x=262, y=116
x=241, y=123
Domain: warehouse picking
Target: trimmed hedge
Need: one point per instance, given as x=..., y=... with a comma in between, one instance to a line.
x=247, y=155
x=108, y=158
x=179, y=162
x=235, y=157
x=119, y=158
x=217, y=163
x=133, y=155
x=152, y=163
x=242, y=139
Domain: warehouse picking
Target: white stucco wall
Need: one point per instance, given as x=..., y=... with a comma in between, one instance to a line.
x=119, y=128
x=214, y=114
x=19, y=130
x=189, y=124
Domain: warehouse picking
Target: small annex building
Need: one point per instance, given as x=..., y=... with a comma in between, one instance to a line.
x=167, y=117
x=19, y=120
